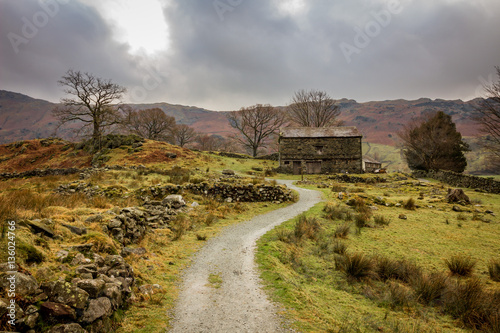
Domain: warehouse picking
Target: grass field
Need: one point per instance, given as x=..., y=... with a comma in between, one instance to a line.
x=305, y=274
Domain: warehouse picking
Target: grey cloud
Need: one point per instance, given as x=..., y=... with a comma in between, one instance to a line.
x=257, y=54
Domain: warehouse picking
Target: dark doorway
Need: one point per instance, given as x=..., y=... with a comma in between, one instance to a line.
x=313, y=167
x=297, y=166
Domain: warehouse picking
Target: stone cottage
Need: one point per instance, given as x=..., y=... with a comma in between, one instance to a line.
x=311, y=150
x=370, y=164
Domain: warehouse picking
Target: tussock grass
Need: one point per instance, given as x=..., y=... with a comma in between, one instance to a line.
x=410, y=204
x=356, y=266
x=307, y=227
x=494, y=269
x=381, y=220
x=460, y=265
x=429, y=287
x=342, y=230
x=335, y=211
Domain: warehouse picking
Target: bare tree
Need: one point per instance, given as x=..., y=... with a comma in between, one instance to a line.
x=256, y=124
x=313, y=108
x=489, y=120
x=90, y=103
x=209, y=142
x=151, y=124
x=184, y=134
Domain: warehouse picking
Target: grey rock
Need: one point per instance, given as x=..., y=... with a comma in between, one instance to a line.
x=228, y=172
x=98, y=308
x=24, y=284
x=8, y=267
x=112, y=290
x=61, y=255
x=76, y=230
x=114, y=223
x=39, y=227
x=83, y=248
x=137, y=251
x=80, y=259
x=456, y=209
x=64, y=292
x=94, y=287
x=174, y=200
x=67, y=328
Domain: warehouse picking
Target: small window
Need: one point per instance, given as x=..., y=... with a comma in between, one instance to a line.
x=286, y=162
x=319, y=149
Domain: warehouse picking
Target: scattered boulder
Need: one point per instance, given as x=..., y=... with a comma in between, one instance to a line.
x=39, y=227
x=457, y=195
x=83, y=248
x=402, y=217
x=149, y=289
x=174, y=200
x=456, y=209
x=76, y=230
x=228, y=172
x=94, y=218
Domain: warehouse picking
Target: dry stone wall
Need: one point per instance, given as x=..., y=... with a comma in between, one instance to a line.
x=460, y=180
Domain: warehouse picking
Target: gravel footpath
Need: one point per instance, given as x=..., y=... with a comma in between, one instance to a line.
x=240, y=304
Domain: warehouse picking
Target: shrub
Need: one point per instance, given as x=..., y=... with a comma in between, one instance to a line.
x=410, y=204
x=356, y=266
x=381, y=220
x=429, y=287
x=494, y=270
x=460, y=266
x=307, y=226
x=342, y=230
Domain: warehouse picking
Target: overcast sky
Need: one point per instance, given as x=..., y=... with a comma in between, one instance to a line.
x=227, y=54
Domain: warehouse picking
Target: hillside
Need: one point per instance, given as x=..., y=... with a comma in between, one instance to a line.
x=24, y=118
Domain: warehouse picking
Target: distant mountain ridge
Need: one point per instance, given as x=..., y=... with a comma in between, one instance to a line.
x=24, y=118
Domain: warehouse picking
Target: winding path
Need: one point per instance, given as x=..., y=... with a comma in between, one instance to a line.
x=240, y=304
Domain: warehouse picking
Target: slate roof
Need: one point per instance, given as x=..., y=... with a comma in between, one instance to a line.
x=320, y=132
x=370, y=160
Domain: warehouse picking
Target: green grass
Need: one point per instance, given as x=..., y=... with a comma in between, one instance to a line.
x=319, y=298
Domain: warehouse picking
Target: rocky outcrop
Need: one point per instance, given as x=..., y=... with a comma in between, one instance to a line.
x=84, y=304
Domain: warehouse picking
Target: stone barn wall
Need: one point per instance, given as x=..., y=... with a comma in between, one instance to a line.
x=321, y=155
